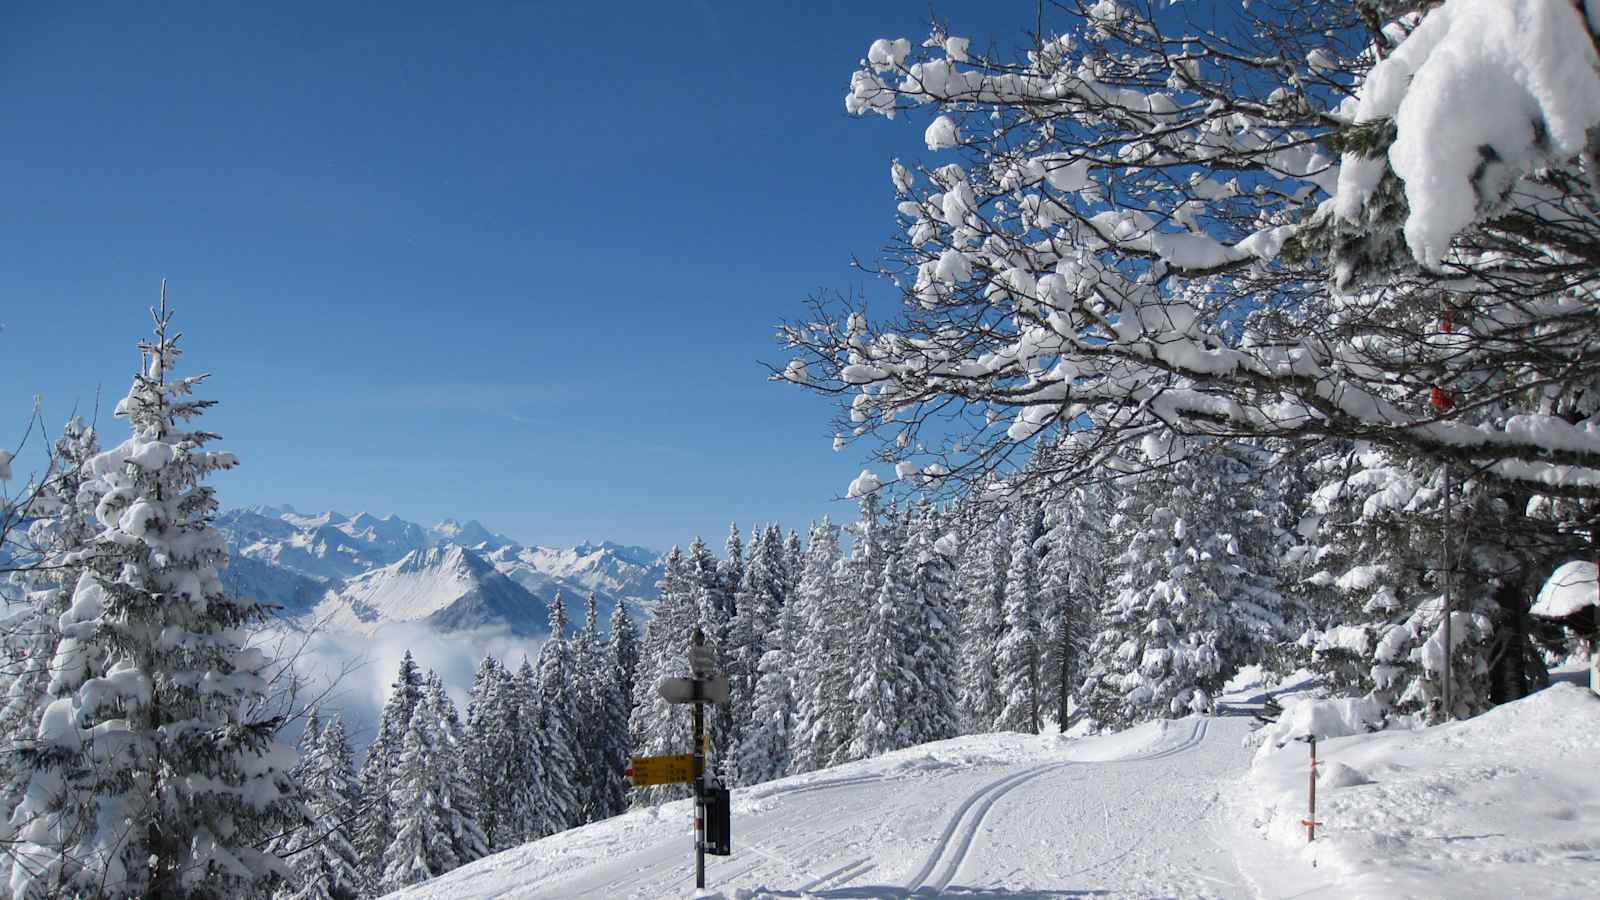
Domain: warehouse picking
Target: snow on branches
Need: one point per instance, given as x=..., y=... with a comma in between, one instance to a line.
x=1143, y=224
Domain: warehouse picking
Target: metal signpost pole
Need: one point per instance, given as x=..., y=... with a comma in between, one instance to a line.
x=699, y=779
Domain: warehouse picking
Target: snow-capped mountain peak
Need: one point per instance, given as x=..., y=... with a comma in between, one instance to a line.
x=368, y=570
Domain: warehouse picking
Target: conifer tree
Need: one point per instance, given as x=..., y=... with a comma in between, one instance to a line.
x=322, y=853
x=493, y=754
x=983, y=572
x=559, y=801
x=822, y=724
x=63, y=526
x=622, y=653
x=657, y=727
x=527, y=770
x=379, y=770
x=931, y=629
x=1017, y=662
x=1072, y=582
x=885, y=677
x=145, y=778
x=764, y=751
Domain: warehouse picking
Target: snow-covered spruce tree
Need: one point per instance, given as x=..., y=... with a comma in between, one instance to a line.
x=758, y=602
x=622, y=654
x=435, y=809
x=146, y=780
x=322, y=852
x=493, y=755
x=885, y=678
x=823, y=655
x=982, y=576
x=764, y=751
x=63, y=523
x=713, y=598
x=1379, y=534
x=931, y=627
x=376, y=828
x=1195, y=593
x=600, y=723
x=657, y=727
x=1072, y=582
x=523, y=811
x=560, y=803
x=1017, y=651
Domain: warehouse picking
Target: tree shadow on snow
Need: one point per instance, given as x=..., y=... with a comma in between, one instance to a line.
x=887, y=892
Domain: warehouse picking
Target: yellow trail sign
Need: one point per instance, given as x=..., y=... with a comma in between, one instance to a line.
x=648, y=770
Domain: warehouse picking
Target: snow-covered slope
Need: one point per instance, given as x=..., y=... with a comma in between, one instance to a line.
x=1504, y=805
x=1134, y=814
x=449, y=587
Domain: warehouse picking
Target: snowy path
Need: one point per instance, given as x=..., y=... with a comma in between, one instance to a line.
x=1130, y=815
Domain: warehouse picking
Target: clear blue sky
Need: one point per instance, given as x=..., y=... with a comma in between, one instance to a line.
x=518, y=263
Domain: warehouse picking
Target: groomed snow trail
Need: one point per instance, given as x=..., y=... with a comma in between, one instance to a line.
x=1135, y=814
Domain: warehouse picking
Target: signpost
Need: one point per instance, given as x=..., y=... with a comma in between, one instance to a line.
x=648, y=770
x=701, y=687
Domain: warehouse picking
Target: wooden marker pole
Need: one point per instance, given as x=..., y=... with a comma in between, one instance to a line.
x=1310, y=822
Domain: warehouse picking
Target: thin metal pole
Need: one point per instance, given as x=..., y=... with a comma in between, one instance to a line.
x=1311, y=823
x=1449, y=644
x=699, y=784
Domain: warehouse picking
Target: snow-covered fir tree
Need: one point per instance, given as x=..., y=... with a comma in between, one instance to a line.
x=885, y=675
x=1196, y=593
x=62, y=527
x=560, y=803
x=931, y=626
x=381, y=766
x=823, y=722
x=1017, y=651
x=985, y=564
x=145, y=779
x=322, y=851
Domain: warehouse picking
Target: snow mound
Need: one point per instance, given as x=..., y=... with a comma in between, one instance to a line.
x=1339, y=717
x=1338, y=775
x=1503, y=805
x=1571, y=588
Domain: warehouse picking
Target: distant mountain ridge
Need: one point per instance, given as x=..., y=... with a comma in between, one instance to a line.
x=362, y=572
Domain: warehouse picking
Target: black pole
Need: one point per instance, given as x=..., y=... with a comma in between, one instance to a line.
x=699, y=782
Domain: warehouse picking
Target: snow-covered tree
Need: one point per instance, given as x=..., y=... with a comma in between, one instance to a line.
x=322, y=852
x=559, y=801
x=657, y=727
x=63, y=524
x=146, y=779
x=1017, y=651
x=985, y=563
x=1196, y=595
x=765, y=748
x=931, y=627
x=885, y=676
x=376, y=830
x=822, y=726
x=434, y=805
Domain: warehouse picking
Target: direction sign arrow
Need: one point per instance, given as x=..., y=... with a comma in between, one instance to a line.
x=647, y=770
x=694, y=690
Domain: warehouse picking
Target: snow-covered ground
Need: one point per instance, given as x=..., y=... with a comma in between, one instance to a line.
x=1503, y=805
x=1139, y=813
x=1507, y=804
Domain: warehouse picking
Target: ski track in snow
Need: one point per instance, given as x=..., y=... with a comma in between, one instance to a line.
x=1135, y=815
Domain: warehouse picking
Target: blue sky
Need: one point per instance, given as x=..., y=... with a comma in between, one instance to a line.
x=518, y=263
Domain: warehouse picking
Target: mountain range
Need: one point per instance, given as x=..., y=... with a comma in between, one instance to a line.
x=361, y=572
